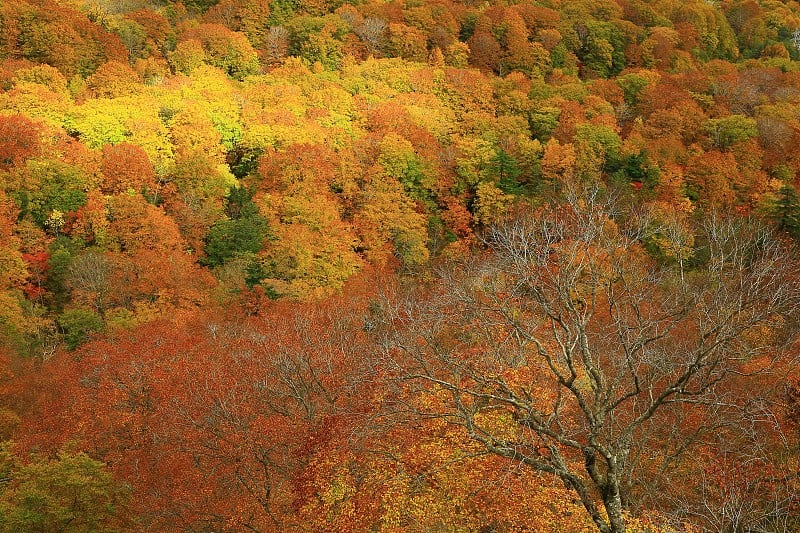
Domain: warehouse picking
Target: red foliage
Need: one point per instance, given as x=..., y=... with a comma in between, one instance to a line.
x=37, y=266
x=314, y=163
x=19, y=140
x=210, y=421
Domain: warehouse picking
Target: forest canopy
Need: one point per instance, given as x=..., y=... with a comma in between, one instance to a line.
x=400, y=266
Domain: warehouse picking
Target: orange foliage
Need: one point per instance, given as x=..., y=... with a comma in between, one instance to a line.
x=126, y=167
x=53, y=33
x=264, y=416
x=113, y=79
x=19, y=139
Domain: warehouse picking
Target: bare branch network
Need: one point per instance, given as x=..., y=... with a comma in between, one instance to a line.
x=567, y=343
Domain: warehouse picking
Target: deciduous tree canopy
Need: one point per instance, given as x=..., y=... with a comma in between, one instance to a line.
x=283, y=264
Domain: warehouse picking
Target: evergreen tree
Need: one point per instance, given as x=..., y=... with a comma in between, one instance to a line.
x=507, y=171
x=787, y=211
x=243, y=231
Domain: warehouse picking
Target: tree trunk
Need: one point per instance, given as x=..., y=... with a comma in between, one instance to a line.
x=613, y=504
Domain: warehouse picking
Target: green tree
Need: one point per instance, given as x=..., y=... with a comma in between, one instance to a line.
x=78, y=324
x=601, y=48
x=243, y=230
x=727, y=131
x=317, y=38
x=598, y=148
x=71, y=493
x=227, y=238
x=786, y=211
x=507, y=172
x=62, y=251
x=634, y=169
x=50, y=187
x=133, y=37
x=542, y=121
x=401, y=162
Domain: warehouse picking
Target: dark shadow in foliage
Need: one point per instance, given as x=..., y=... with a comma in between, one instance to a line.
x=633, y=171
x=243, y=162
x=244, y=230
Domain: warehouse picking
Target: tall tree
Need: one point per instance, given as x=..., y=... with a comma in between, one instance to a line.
x=562, y=347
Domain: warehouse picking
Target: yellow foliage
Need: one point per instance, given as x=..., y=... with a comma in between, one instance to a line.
x=13, y=272
x=491, y=204
x=113, y=79
x=672, y=234
x=13, y=316
x=111, y=121
x=378, y=79
x=313, y=251
x=150, y=133
x=193, y=134
x=475, y=160
x=389, y=215
x=187, y=56
x=429, y=113
x=43, y=75
x=37, y=102
x=558, y=162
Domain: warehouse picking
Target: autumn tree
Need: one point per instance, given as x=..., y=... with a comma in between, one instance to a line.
x=276, y=45
x=60, y=36
x=406, y=42
x=710, y=178
x=126, y=167
x=71, y=492
x=246, y=17
x=563, y=345
x=14, y=324
x=313, y=249
x=113, y=79
x=155, y=27
x=223, y=48
x=373, y=32
x=153, y=264
x=19, y=139
x=279, y=385
x=42, y=75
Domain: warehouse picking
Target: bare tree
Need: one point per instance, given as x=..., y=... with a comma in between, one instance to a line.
x=744, y=489
x=90, y=274
x=566, y=343
x=373, y=32
x=276, y=44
